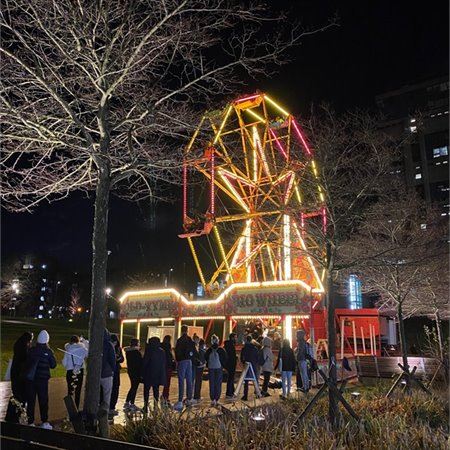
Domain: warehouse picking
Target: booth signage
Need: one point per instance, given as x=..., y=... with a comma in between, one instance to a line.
x=149, y=306
x=276, y=300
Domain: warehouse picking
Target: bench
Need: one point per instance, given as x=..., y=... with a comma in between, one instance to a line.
x=22, y=437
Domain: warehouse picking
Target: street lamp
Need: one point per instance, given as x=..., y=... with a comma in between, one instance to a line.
x=108, y=291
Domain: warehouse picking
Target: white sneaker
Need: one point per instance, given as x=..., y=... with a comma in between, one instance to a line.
x=47, y=426
x=178, y=406
x=191, y=402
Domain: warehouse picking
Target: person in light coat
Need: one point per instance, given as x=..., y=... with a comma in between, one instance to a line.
x=267, y=366
x=76, y=351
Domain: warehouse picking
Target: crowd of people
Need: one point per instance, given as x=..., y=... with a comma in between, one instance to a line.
x=153, y=367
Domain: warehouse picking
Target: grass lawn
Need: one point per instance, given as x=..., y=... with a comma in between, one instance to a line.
x=60, y=331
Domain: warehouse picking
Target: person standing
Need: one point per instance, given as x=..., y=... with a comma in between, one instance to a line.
x=116, y=375
x=199, y=366
x=76, y=352
x=166, y=345
x=286, y=363
x=267, y=364
x=249, y=354
x=134, y=367
x=216, y=359
x=18, y=383
x=230, y=348
x=301, y=361
x=40, y=359
x=153, y=369
x=108, y=367
x=184, y=352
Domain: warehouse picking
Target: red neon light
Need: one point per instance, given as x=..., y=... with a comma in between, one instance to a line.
x=184, y=191
x=251, y=97
x=300, y=135
x=283, y=152
x=213, y=200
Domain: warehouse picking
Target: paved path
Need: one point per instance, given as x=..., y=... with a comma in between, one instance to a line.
x=58, y=390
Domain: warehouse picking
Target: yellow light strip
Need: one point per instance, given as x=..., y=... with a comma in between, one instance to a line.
x=191, y=142
x=156, y=319
x=129, y=320
x=283, y=111
x=288, y=329
x=272, y=266
x=222, y=250
x=203, y=318
x=267, y=316
x=248, y=244
x=297, y=193
x=238, y=198
x=222, y=124
x=237, y=177
x=197, y=263
x=314, y=168
x=302, y=243
x=255, y=115
x=257, y=144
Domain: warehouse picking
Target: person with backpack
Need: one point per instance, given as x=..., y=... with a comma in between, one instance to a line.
x=230, y=348
x=40, y=359
x=134, y=366
x=216, y=359
x=76, y=351
x=266, y=363
x=249, y=354
x=286, y=363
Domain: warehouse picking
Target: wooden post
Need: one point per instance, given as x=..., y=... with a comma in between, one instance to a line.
x=371, y=340
x=342, y=338
x=138, y=329
x=355, y=346
x=121, y=333
x=363, y=340
x=374, y=341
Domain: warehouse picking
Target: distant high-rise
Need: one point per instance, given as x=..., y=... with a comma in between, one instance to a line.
x=422, y=109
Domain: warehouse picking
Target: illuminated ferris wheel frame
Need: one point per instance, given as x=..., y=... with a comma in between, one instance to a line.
x=262, y=177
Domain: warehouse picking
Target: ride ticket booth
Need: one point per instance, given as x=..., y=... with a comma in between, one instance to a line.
x=163, y=311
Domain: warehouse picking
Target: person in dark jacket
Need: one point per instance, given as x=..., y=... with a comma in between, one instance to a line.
x=166, y=345
x=184, y=352
x=230, y=348
x=116, y=376
x=108, y=367
x=199, y=364
x=40, y=359
x=18, y=382
x=216, y=359
x=134, y=368
x=153, y=369
x=301, y=357
x=287, y=364
x=249, y=354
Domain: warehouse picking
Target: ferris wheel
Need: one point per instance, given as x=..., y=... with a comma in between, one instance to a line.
x=250, y=188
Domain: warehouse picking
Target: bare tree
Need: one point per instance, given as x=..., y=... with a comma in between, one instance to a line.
x=97, y=95
x=75, y=302
x=353, y=160
x=399, y=240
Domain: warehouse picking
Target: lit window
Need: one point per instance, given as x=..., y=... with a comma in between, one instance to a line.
x=423, y=226
x=41, y=307
x=413, y=129
x=42, y=298
x=354, y=292
x=44, y=280
x=43, y=289
x=418, y=176
x=440, y=151
x=40, y=316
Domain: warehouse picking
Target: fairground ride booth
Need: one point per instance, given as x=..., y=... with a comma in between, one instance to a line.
x=282, y=306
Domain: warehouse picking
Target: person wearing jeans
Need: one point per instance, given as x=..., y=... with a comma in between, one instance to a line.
x=184, y=352
x=216, y=359
x=108, y=367
x=301, y=360
x=40, y=360
x=287, y=364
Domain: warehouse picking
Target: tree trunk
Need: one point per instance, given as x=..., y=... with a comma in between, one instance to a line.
x=402, y=335
x=333, y=410
x=97, y=320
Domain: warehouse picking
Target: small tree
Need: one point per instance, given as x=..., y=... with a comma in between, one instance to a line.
x=353, y=160
x=75, y=302
x=399, y=240
x=98, y=96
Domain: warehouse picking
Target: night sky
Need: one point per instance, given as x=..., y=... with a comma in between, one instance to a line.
x=379, y=46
